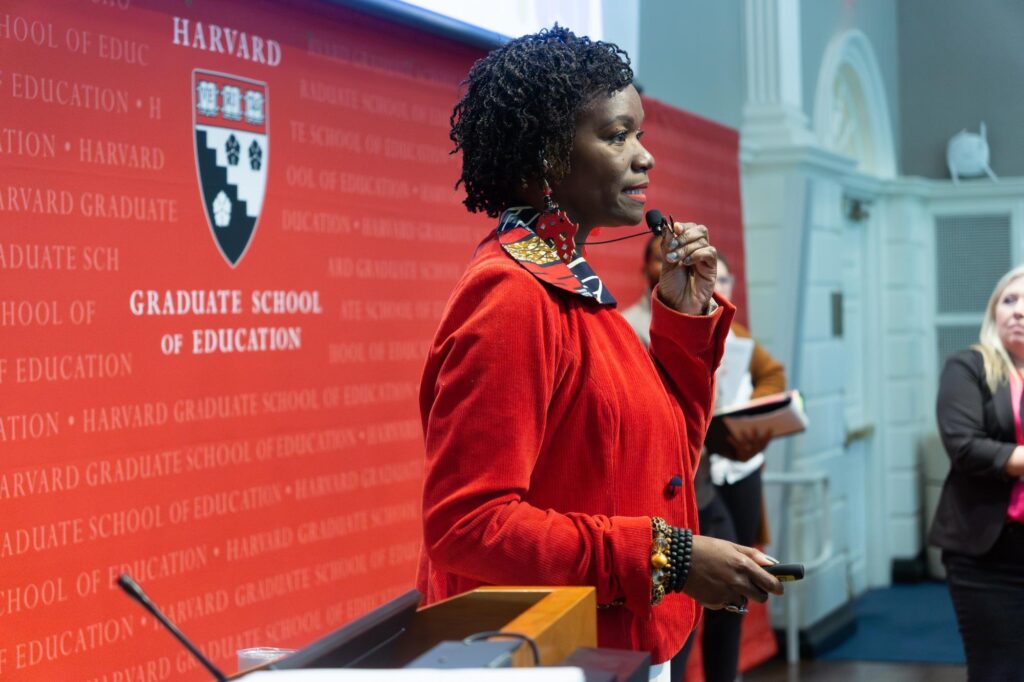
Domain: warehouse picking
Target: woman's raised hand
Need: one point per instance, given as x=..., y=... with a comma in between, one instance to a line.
x=689, y=268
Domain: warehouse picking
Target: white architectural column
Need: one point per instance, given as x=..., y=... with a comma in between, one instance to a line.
x=907, y=400
x=774, y=113
x=621, y=19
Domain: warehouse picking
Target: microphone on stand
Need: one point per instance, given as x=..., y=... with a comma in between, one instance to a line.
x=655, y=223
x=132, y=589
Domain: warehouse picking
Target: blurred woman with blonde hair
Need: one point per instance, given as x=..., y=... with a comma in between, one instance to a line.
x=979, y=523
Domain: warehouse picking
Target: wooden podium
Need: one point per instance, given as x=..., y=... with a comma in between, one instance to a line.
x=558, y=619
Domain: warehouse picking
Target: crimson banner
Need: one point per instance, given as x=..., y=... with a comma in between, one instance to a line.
x=229, y=231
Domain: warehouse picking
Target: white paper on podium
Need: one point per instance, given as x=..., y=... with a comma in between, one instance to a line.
x=554, y=674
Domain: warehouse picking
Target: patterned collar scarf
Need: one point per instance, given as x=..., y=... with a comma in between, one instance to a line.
x=539, y=258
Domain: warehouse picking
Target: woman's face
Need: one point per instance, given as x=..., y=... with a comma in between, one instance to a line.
x=1010, y=318
x=606, y=184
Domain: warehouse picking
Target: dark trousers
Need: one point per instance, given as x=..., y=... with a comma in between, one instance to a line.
x=734, y=515
x=743, y=500
x=988, y=595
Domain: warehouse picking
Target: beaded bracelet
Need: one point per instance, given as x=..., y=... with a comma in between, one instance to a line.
x=675, y=556
x=671, y=553
x=661, y=569
x=682, y=553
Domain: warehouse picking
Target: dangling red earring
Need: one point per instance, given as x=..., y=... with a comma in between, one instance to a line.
x=555, y=225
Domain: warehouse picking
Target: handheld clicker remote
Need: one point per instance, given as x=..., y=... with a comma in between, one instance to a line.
x=786, y=572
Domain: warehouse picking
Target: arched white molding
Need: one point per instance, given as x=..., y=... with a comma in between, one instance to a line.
x=851, y=111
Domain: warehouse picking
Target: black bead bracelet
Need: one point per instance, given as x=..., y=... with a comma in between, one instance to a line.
x=671, y=554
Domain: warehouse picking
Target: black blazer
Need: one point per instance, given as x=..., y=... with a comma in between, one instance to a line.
x=978, y=432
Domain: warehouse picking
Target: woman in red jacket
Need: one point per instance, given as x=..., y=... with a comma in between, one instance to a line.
x=559, y=451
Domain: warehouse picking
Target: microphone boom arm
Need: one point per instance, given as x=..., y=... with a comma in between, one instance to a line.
x=133, y=590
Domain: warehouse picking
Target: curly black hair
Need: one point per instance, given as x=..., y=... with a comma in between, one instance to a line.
x=520, y=109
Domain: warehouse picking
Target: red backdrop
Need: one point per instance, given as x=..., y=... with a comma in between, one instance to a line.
x=265, y=494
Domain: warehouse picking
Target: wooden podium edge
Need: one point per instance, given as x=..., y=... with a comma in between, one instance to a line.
x=562, y=621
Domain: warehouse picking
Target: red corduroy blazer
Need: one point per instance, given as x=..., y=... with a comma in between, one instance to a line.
x=551, y=436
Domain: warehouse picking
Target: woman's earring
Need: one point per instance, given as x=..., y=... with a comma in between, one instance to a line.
x=554, y=224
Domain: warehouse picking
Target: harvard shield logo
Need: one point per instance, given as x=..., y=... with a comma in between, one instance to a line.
x=232, y=152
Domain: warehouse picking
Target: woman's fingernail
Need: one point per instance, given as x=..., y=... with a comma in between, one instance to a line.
x=674, y=244
x=672, y=256
x=688, y=260
x=771, y=558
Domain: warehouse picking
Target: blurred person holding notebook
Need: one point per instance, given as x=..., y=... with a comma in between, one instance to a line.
x=979, y=522
x=729, y=497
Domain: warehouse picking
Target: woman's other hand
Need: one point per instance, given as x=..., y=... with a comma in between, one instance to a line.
x=689, y=268
x=746, y=446
x=1015, y=465
x=723, y=573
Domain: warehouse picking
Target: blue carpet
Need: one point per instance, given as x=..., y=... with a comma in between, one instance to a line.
x=904, y=623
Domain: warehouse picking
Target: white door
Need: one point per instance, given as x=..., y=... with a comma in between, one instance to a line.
x=860, y=426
